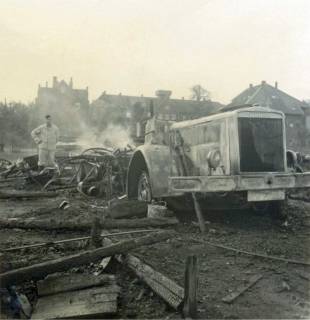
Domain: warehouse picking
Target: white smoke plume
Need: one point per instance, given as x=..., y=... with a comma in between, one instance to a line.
x=114, y=136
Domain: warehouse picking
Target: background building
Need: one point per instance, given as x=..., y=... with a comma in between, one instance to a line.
x=133, y=111
x=272, y=97
x=68, y=106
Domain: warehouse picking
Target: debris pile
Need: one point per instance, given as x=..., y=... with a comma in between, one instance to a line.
x=75, y=276
x=99, y=172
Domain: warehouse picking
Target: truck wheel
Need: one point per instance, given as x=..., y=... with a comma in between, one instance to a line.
x=144, y=187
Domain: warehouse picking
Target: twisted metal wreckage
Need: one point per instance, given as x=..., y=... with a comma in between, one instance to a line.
x=94, y=172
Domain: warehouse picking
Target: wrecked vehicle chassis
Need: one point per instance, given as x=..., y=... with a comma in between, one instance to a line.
x=239, y=156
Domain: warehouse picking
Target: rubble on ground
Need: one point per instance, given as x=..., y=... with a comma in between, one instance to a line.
x=54, y=263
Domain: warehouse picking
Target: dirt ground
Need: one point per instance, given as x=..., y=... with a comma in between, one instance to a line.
x=282, y=292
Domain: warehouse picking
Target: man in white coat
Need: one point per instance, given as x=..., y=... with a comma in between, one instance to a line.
x=46, y=137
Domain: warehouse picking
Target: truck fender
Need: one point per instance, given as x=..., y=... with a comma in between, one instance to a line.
x=154, y=160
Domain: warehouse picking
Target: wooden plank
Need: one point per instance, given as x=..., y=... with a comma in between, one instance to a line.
x=51, y=224
x=166, y=288
x=55, y=283
x=89, y=303
x=190, y=286
x=27, y=194
x=234, y=295
x=40, y=270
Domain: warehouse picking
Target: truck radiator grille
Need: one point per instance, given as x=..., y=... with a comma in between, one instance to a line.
x=261, y=145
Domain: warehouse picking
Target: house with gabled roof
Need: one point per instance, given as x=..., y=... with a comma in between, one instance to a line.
x=272, y=97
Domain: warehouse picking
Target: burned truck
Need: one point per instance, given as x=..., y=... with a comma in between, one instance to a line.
x=237, y=157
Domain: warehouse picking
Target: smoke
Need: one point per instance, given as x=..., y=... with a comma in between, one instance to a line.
x=113, y=136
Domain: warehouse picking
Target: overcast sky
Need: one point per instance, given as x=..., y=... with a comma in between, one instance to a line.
x=138, y=46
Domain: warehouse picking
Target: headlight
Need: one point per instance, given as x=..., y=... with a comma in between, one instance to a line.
x=214, y=158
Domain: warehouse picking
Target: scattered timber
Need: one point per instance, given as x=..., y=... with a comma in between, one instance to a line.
x=166, y=288
x=40, y=270
x=89, y=303
x=25, y=194
x=54, y=283
x=190, y=287
x=51, y=224
x=234, y=295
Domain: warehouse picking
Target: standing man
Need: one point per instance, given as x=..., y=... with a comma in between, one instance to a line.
x=46, y=136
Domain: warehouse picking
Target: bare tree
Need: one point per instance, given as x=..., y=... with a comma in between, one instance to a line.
x=199, y=93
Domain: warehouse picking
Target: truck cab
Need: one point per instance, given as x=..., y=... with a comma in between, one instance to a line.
x=240, y=152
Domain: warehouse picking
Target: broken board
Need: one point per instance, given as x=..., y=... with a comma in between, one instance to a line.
x=53, y=284
x=166, y=288
x=76, y=296
x=89, y=303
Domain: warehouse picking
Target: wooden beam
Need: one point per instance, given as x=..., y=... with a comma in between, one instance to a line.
x=85, y=225
x=191, y=284
x=55, y=283
x=40, y=270
x=166, y=288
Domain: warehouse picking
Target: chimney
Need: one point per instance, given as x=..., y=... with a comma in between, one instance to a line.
x=251, y=85
x=163, y=94
x=263, y=82
x=276, y=85
x=54, y=82
x=71, y=83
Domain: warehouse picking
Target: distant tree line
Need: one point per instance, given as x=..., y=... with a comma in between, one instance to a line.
x=17, y=120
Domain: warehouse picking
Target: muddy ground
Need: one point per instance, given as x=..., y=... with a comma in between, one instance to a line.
x=282, y=292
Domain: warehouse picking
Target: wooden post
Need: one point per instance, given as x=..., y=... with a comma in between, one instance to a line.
x=185, y=171
x=190, y=287
x=199, y=214
x=95, y=234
